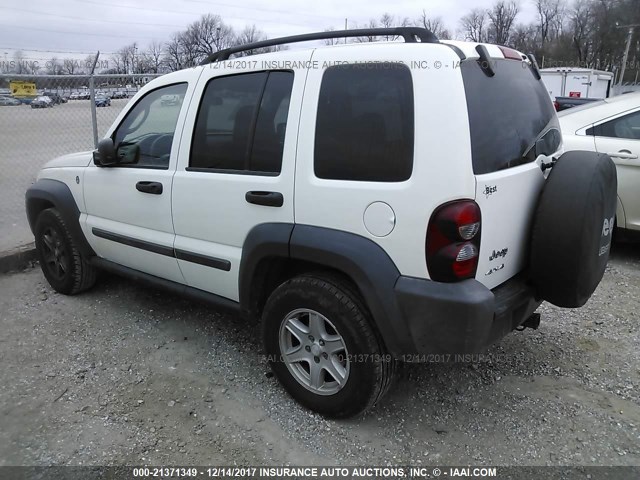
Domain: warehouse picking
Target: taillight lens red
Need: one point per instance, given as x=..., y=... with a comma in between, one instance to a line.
x=453, y=241
x=510, y=53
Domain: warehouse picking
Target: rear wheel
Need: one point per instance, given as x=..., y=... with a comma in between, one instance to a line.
x=323, y=348
x=62, y=265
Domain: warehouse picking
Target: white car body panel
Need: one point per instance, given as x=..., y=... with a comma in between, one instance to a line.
x=210, y=213
x=625, y=152
x=340, y=204
x=113, y=204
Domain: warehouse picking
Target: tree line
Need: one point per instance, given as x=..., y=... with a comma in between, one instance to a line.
x=571, y=33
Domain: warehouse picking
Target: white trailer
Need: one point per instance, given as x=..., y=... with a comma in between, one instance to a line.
x=577, y=82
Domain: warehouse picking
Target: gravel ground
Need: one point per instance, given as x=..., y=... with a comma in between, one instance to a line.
x=126, y=375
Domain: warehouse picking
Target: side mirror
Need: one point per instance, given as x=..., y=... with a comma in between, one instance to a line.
x=105, y=155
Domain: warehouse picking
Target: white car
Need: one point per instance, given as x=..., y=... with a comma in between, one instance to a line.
x=611, y=126
x=366, y=205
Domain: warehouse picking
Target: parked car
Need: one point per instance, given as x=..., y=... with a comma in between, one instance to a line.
x=9, y=102
x=80, y=95
x=563, y=103
x=102, y=101
x=170, y=100
x=41, y=102
x=55, y=98
x=366, y=212
x=611, y=126
x=119, y=94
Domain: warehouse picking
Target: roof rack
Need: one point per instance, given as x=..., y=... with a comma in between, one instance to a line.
x=410, y=35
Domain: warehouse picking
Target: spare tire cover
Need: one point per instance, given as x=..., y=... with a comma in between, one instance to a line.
x=572, y=228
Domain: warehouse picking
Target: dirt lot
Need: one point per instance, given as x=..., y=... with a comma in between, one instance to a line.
x=126, y=375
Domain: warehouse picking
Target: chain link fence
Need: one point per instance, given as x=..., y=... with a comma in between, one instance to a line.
x=33, y=130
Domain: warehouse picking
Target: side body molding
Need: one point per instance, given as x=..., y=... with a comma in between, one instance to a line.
x=46, y=193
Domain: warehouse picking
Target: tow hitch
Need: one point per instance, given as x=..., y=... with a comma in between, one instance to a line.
x=532, y=322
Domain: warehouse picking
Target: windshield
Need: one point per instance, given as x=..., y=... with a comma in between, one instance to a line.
x=508, y=114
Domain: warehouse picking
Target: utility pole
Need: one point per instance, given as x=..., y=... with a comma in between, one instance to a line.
x=346, y=27
x=626, y=50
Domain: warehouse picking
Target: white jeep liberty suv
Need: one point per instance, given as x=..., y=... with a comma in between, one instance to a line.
x=366, y=202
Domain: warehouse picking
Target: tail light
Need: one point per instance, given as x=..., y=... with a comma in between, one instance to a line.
x=453, y=241
x=556, y=105
x=511, y=54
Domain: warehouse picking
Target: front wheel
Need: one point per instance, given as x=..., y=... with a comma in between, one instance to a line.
x=323, y=348
x=62, y=265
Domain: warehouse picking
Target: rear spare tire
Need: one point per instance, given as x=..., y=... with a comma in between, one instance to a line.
x=572, y=228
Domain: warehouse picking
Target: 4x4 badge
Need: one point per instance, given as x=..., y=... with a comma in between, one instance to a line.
x=495, y=269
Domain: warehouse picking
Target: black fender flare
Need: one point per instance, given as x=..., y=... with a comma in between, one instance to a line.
x=46, y=192
x=357, y=257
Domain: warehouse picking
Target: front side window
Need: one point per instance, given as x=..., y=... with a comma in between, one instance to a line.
x=365, y=122
x=145, y=136
x=241, y=123
x=627, y=127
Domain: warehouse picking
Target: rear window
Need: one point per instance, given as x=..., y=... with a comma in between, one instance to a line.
x=511, y=117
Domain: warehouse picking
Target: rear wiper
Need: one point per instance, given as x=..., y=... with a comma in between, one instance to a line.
x=526, y=158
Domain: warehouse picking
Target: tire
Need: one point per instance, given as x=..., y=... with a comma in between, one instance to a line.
x=62, y=265
x=572, y=228
x=334, y=340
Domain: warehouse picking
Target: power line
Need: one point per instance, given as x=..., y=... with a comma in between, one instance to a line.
x=262, y=9
x=67, y=32
x=132, y=7
x=33, y=12
x=71, y=52
x=224, y=17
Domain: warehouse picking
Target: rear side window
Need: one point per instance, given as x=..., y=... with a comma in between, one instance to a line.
x=508, y=114
x=364, y=126
x=241, y=123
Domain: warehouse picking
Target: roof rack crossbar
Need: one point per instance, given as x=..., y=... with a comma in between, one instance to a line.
x=409, y=34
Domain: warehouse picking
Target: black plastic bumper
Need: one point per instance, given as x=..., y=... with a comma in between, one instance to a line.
x=464, y=317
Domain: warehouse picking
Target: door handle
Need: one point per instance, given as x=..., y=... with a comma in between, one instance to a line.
x=626, y=154
x=268, y=199
x=154, y=188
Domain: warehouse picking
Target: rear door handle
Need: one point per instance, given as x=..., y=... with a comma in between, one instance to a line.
x=268, y=199
x=154, y=188
x=626, y=154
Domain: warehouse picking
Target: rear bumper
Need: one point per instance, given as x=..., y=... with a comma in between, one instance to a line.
x=464, y=317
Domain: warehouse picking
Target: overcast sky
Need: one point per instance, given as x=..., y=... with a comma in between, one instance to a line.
x=45, y=28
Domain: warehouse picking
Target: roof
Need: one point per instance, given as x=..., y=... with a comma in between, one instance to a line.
x=575, y=70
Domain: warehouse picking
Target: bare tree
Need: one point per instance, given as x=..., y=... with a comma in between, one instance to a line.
x=152, y=57
x=331, y=41
x=251, y=34
x=581, y=29
x=435, y=25
x=524, y=38
x=71, y=66
x=180, y=52
x=54, y=67
x=385, y=21
x=501, y=18
x=208, y=35
x=549, y=12
x=473, y=25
